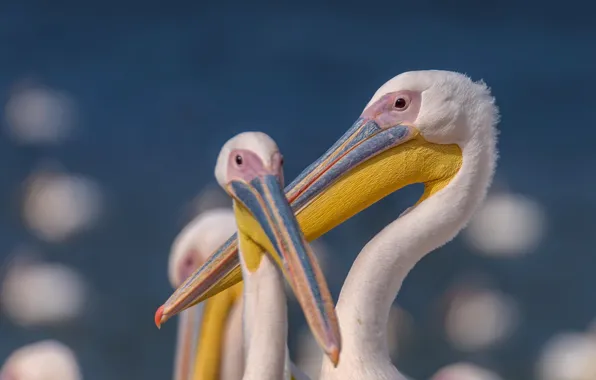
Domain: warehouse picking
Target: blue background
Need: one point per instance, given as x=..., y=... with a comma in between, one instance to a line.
x=160, y=86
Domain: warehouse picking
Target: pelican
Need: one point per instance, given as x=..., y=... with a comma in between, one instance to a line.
x=455, y=119
x=432, y=127
x=43, y=360
x=249, y=169
x=209, y=343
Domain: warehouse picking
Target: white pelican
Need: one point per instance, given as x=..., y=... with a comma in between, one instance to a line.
x=209, y=343
x=44, y=360
x=432, y=127
x=454, y=154
x=249, y=168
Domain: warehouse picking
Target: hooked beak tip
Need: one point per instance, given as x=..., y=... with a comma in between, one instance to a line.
x=159, y=317
x=334, y=355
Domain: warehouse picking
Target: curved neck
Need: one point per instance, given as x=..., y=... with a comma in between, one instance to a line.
x=265, y=322
x=379, y=270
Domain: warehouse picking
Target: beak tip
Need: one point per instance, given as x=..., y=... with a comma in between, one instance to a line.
x=334, y=355
x=159, y=317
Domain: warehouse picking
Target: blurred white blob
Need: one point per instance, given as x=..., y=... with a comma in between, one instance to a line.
x=57, y=205
x=45, y=360
x=321, y=251
x=39, y=115
x=309, y=355
x=479, y=318
x=399, y=329
x=464, y=371
x=34, y=293
x=568, y=356
x=506, y=225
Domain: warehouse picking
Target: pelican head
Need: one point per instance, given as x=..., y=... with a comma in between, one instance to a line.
x=413, y=130
x=249, y=168
x=419, y=127
x=197, y=240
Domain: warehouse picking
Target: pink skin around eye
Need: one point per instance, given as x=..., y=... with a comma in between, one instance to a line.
x=252, y=166
x=386, y=114
x=188, y=265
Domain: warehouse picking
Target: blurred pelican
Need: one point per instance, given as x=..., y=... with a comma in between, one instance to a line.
x=432, y=127
x=209, y=344
x=36, y=293
x=464, y=371
x=249, y=168
x=568, y=356
x=45, y=360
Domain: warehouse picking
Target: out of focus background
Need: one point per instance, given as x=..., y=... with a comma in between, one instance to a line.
x=113, y=112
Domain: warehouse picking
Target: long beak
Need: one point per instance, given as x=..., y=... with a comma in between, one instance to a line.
x=189, y=327
x=200, y=337
x=265, y=217
x=372, y=159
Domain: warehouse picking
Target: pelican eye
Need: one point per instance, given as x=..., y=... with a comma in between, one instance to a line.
x=238, y=159
x=401, y=103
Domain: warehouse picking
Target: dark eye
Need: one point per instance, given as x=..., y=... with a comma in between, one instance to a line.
x=400, y=103
x=281, y=162
x=239, y=160
x=188, y=262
